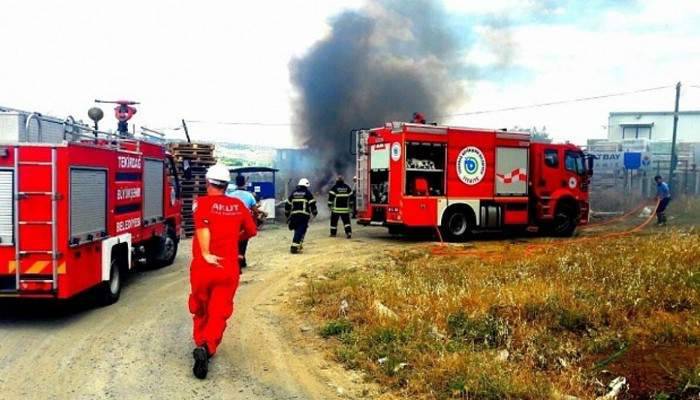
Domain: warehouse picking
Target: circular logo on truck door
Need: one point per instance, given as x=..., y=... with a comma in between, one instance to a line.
x=396, y=151
x=471, y=165
x=572, y=183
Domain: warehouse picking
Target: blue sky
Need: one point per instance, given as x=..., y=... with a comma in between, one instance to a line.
x=569, y=49
x=228, y=61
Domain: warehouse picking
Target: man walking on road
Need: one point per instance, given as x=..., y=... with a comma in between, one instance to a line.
x=248, y=199
x=663, y=195
x=339, y=203
x=220, y=222
x=299, y=208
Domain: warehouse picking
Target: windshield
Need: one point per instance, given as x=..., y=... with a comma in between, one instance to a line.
x=575, y=162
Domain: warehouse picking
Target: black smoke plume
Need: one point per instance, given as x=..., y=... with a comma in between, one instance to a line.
x=377, y=64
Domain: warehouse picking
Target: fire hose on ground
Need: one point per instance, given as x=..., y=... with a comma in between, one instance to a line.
x=443, y=249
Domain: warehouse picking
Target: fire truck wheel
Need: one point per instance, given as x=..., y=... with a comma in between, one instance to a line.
x=456, y=226
x=111, y=289
x=564, y=223
x=163, y=250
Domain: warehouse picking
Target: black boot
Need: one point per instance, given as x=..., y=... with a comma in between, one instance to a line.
x=294, y=249
x=201, y=362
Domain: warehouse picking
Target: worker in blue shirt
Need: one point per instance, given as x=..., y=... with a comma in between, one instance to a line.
x=248, y=199
x=663, y=195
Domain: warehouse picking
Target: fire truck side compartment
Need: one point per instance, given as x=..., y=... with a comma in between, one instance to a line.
x=379, y=174
x=425, y=169
x=88, y=202
x=6, y=207
x=511, y=164
x=153, y=190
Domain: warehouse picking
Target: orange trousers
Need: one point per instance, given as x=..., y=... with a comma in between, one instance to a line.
x=211, y=302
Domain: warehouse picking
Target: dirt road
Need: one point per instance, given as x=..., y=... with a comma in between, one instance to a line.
x=141, y=346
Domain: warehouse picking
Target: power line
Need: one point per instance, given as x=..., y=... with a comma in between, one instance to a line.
x=513, y=108
x=241, y=123
x=553, y=103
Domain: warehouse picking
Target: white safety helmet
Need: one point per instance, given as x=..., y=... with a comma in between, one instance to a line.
x=218, y=174
x=304, y=182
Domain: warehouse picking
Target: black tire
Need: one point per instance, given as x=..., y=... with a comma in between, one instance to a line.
x=456, y=225
x=163, y=250
x=565, y=221
x=110, y=290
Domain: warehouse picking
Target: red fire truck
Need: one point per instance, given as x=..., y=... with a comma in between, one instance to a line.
x=79, y=207
x=466, y=180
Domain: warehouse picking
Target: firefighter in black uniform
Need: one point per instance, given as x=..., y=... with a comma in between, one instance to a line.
x=299, y=208
x=339, y=202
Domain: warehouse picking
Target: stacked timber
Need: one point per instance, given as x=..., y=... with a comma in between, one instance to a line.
x=195, y=157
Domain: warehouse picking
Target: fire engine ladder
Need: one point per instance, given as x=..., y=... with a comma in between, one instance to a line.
x=46, y=167
x=361, y=172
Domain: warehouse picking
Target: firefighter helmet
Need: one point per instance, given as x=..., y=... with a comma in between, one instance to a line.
x=218, y=174
x=304, y=182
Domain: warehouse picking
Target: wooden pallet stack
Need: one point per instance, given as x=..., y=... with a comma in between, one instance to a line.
x=200, y=156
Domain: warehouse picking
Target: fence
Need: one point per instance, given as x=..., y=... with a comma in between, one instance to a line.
x=686, y=180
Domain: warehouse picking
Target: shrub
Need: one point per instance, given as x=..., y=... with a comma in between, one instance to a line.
x=487, y=331
x=335, y=328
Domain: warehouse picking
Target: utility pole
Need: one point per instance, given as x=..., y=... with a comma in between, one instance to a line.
x=187, y=133
x=673, y=141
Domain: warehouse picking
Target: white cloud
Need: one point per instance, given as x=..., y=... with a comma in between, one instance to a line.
x=227, y=61
x=212, y=60
x=567, y=61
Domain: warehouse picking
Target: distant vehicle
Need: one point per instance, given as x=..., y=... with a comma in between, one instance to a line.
x=466, y=180
x=79, y=207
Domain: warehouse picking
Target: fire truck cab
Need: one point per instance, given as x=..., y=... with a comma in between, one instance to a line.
x=79, y=207
x=466, y=180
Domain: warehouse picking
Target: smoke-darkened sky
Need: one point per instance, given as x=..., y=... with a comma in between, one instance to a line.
x=379, y=63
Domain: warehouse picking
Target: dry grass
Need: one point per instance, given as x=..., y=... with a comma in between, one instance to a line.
x=525, y=326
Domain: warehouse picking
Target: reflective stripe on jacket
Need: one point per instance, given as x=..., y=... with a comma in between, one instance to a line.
x=339, y=198
x=300, y=202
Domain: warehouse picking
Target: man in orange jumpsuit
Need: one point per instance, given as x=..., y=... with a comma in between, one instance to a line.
x=220, y=223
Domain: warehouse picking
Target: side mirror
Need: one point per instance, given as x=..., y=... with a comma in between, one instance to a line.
x=589, y=164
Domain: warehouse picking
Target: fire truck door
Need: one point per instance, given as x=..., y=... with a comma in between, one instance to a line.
x=574, y=170
x=548, y=180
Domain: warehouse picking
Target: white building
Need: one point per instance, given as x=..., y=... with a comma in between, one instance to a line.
x=638, y=147
x=654, y=125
